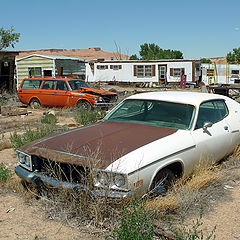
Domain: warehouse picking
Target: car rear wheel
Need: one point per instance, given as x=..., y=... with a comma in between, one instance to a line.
x=34, y=103
x=162, y=182
x=85, y=105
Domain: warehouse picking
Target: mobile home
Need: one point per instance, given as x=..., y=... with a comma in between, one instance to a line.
x=143, y=71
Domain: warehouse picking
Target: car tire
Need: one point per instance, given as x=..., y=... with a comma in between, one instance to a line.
x=34, y=103
x=85, y=105
x=162, y=182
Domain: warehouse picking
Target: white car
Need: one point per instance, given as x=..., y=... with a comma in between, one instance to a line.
x=142, y=145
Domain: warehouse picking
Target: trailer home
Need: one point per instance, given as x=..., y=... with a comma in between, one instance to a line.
x=220, y=73
x=143, y=71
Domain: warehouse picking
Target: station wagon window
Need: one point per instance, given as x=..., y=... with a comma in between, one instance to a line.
x=61, y=85
x=31, y=84
x=211, y=111
x=35, y=72
x=48, y=85
x=77, y=84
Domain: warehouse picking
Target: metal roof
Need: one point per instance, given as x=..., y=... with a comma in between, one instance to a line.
x=51, y=57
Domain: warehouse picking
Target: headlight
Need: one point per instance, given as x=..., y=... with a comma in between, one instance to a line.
x=119, y=180
x=95, y=100
x=28, y=161
x=103, y=178
x=24, y=159
x=100, y=99
x=21, y=158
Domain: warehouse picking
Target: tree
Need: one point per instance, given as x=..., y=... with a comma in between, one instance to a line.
x=234, y=56
x=151, y=51
x=134, y=57
x=8, y=37
x=205, y=60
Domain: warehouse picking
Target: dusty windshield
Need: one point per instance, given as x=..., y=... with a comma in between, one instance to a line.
x=77, y=84
x=154, y=113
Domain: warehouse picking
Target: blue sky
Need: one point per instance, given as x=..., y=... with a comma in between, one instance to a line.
x=206, y=28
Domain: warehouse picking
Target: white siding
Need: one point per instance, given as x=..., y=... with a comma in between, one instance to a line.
x=126, y=73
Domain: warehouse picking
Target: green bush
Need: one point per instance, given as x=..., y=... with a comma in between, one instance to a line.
x=136, y=222
x=30, y=135
x=86, y=117
x=5, y=173
x=49, y=119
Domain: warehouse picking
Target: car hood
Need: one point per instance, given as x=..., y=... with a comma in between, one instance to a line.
x=103, y=143
x=97, y=91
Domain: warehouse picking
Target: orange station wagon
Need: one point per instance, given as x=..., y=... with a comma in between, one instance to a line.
x=63, y=92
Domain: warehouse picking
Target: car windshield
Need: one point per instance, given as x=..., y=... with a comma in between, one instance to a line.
x=77, y=84
x=153, y=113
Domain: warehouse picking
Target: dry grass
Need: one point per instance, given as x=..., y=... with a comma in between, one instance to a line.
x=5, y=144
x=187, y=192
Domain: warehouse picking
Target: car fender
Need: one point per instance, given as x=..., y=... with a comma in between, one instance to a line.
x=32, y=97
x=168, y=165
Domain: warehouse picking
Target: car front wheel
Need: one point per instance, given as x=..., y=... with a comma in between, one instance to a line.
x=85, y=105
x=162, y=182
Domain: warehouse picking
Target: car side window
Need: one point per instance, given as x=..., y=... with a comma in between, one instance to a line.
x=31, y=84
x=211, y=111
x=48, y=85
x=61, y=85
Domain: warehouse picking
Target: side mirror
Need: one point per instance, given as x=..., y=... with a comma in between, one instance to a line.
x=207, y=125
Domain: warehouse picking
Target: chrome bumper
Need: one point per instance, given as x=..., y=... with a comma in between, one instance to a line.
x=38, y=179
x=104, y=105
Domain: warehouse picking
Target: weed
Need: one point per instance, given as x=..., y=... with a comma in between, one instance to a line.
x=194, y=232
x=30, y=135
x=86, y=117
x=49, y=119
x=5, y=174
x=3, y=101
x=136, y=222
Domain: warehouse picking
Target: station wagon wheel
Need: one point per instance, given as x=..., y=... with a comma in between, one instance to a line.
x=85, y=105
x=34, y=103
x=162, y=182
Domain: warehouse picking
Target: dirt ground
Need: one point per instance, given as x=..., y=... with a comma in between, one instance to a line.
x=23, y=220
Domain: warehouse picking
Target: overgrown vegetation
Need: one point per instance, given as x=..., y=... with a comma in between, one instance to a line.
x=49, y=119
x=136, y=222
x=5, y=173
x=87, y=117
x=18, y=140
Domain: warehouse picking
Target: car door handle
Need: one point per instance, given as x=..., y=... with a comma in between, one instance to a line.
x=226, y=128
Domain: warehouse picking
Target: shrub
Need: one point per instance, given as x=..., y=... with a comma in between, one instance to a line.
x=3, y=101
x=30, y=135
x=86, y=117
x=49, y=119
x=5, y=173
x=136, y=222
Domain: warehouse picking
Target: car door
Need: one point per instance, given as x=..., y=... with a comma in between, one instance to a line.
x=213, y=143
x=61, y=94
x=46, y=96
